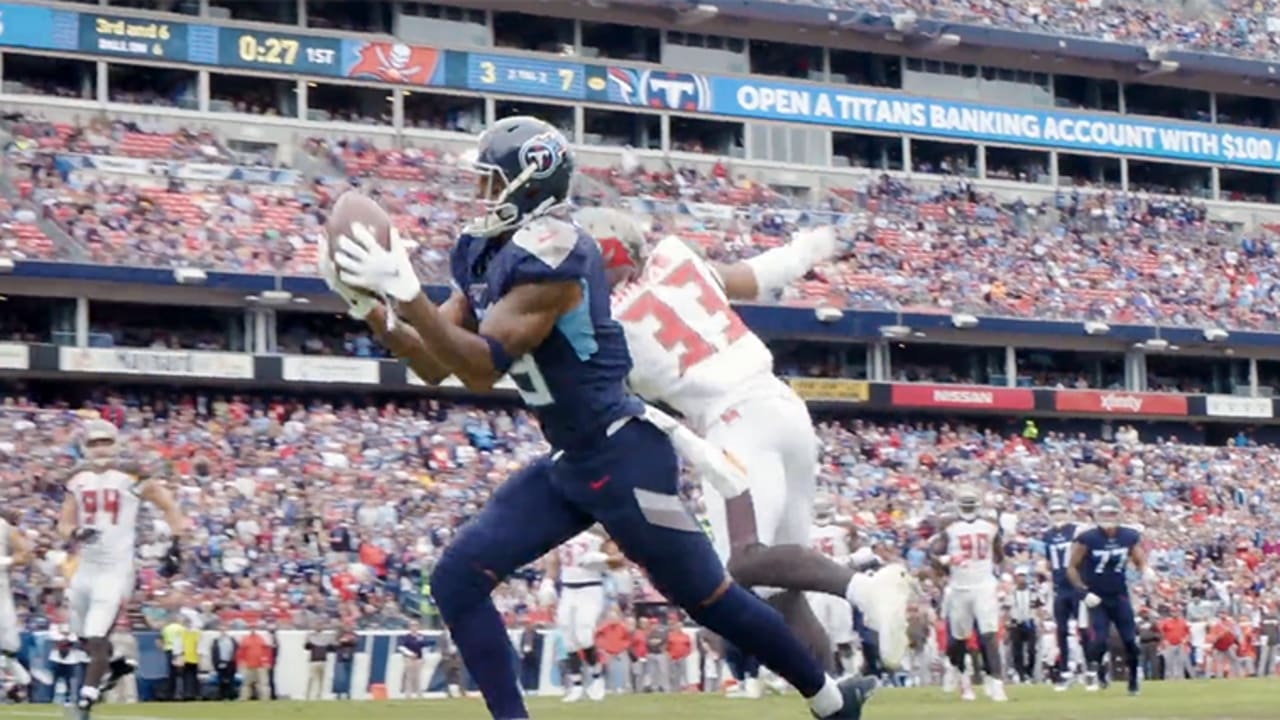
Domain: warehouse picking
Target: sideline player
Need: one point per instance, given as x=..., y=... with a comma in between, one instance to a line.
x=530, y=299
x=100, y=514
x=694, y=354
x=1058, y=540
x=970, y=547
x=14, y=550
x=1100, y=560
x=580, y=566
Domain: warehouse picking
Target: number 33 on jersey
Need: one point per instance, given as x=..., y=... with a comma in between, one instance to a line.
x=687, y=344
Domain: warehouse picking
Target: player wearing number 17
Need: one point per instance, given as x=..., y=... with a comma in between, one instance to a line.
x=100, y=514
x=531, y=299
x=1099, y=564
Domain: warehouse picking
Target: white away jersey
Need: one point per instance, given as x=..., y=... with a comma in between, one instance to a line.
x=107, y=501
x=831, y=540
x=689, y=348
x=573, y=555
x=969, y=545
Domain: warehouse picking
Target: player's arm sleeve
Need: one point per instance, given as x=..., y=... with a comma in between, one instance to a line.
x=758, y=278
x=405, y=342
x=1078, y=551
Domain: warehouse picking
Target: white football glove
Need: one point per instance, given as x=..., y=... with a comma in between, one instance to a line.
x=1092, y=601
x=816, y=245
x=363, y=263
x=547, y=592
x=5, y=562
x=715, y=465
x=359, y=304
x=1149, y=577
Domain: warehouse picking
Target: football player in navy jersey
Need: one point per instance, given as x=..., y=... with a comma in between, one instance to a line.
x=1098, y=568
x=1058, y=540
x=530, y=299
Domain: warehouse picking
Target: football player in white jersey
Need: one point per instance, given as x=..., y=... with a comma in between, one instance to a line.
x=581, y=565
x=831, y=538
x=970, y=548
x=100, y=514
x=693, y=353
x=14, y=550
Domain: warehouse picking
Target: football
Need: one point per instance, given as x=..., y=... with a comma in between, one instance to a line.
x=354, y=207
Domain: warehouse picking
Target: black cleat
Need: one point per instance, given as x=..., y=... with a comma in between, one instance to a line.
x=856, y=692
x=120, y=669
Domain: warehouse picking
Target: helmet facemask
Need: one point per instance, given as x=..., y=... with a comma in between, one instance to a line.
x=100, y=444
x=494, y=192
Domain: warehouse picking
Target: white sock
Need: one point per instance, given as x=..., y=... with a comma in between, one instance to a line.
x=828, y=701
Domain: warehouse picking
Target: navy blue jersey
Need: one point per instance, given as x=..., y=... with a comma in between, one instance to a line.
x=574, y=380
x=1107, y=560
x=1057, y=549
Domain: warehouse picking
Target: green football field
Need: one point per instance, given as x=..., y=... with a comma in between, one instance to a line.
x=1218, y=699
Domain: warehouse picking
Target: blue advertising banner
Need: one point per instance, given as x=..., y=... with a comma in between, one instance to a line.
x=852, y=108
x=526, y=76
x=37, y=27
x=278, y=52
x=842, y=107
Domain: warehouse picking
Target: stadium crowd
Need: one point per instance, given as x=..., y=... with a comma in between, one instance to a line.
x=1080, y=255
x=312, y=512
x=1241, y=28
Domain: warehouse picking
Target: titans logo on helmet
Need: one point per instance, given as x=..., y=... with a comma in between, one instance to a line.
x=661, y=89
x=542, y=152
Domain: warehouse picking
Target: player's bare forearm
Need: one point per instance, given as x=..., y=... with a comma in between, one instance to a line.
x=67, y=521
x=460, y=352
x=738, y=280
x=154, y=493
x=1138, y=556
x=405, y=343
x=517, y=324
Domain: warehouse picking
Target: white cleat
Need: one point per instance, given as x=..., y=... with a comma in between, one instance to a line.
x=950, y=680
x=596, y=690
x=994, y=690
x=574, y=694
x=752, y=688
x=883, y=598
x=966, y=689
x=1091, y=686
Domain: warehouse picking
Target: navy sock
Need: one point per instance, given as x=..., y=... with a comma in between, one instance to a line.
x=750, y=666
x=745, y=620
x=733, y=658
x=482, y=641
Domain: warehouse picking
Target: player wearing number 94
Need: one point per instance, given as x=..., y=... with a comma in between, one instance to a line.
x=100, y=514
x=1100, y=559
x=531, y=299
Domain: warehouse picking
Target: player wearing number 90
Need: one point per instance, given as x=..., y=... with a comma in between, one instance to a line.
x=531, y=299
x=694, y=354
x=1099, y=562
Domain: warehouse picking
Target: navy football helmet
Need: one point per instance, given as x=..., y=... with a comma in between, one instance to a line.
x=526, y=168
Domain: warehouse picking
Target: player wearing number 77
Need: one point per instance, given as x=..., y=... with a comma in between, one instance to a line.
x=693, y=353
x=531, y=299
x=100, y=514
x=1100, y=560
